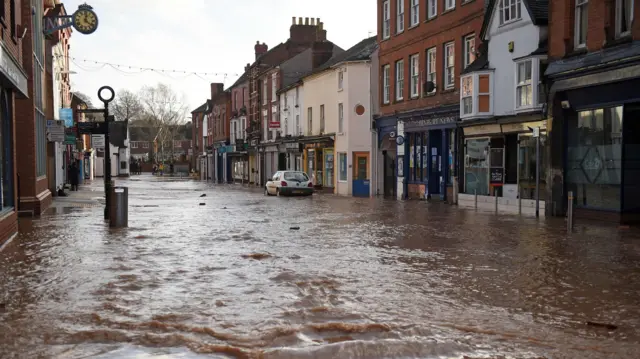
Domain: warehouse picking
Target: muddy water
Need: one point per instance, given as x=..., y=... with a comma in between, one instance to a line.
x=360, y=279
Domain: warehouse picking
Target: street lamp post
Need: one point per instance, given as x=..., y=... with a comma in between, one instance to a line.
x=107, y=146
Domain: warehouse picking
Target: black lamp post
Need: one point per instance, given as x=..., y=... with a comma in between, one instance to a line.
x=107, y=144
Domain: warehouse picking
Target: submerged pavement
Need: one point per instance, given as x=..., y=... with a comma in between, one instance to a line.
x=361, y=278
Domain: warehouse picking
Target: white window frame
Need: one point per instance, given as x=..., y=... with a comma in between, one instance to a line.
x=432, y=60
x=414, y=62
x=415, y=12
x=432, y=9
x=264, y=91
x=274, y=87
x=399, y=80
x=386, y=84
x=340, y=80
x=340, y=118
x=449, y=5
x=619, y=19
x=578, y=21
x=134, y=144
x=449, y=65
x=469, y=50
x=322, y=123
x=342, y=155
x=524, y=84
x=399, y=16
x=386, y=20
x=464, y=96
x=510, y=6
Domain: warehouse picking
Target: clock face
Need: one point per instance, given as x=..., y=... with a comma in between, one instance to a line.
x=85, y=21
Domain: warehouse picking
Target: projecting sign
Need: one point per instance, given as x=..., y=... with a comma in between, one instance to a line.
x=92, y=128
x=97, y=141
x=55, y=131
x=66, y=115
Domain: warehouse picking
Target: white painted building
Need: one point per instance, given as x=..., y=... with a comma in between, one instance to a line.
x=338, y=104
x=291, y=123
x=502, y=99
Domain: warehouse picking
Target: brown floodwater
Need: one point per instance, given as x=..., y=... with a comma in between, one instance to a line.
x=361, y=278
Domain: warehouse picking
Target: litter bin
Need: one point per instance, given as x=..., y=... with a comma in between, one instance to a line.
x=119, y=211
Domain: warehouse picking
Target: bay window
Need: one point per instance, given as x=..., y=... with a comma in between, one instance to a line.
x=524, y=85
x=466, y=95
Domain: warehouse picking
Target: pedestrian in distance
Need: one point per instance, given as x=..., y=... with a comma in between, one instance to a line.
x=74, y=173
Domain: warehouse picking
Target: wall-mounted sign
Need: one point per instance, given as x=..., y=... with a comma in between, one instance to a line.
x=12, y=71
x=427, y=122
x=97, y=141
x=55, y=131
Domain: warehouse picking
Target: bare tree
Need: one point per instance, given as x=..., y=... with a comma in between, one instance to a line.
x=127, y=106
x=165, y=111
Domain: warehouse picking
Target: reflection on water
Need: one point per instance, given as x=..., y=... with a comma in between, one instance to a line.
x=362, y=278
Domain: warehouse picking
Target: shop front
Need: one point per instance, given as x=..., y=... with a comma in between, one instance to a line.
x=429, y=155
x=254, y=156
x=239, y=161
x=319, y=161
x=270, y=159
x=385, y=167
x=500, y=163
x=595, y=135
x=292, y=156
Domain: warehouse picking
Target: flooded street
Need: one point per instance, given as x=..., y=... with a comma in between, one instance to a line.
x=361, y=278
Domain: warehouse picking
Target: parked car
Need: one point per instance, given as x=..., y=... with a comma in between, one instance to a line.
x=289, y=183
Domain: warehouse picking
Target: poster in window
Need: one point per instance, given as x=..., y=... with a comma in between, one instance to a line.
x=496, y=175
x=400, y=169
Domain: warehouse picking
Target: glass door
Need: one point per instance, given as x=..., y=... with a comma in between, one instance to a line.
x=476, y=166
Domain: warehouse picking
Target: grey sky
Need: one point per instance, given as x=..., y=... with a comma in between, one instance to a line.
x=214, y=36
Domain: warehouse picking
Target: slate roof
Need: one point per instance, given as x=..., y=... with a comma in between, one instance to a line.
x=202, y=108
x=480, y=63
x=240, y=80
x=358, y=52
x=538, y=10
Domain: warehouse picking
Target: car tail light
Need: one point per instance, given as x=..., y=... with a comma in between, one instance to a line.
x=283, y=184
x=310, y=184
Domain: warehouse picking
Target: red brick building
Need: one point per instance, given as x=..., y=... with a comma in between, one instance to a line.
x=14, y=87
x=593, y=83
x=221, y=121
x=34, y=192
x=302, y=36
x=424, y=46
x=198, y=145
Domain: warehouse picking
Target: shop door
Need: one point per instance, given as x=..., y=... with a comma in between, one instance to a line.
x=435, y=161
x=282, y=161
x=389, y=173
x=361, y=182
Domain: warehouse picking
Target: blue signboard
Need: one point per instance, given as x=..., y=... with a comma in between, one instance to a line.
x=66, y=115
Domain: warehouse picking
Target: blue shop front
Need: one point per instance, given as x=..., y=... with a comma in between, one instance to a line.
x=387, y=128
x=430, y=152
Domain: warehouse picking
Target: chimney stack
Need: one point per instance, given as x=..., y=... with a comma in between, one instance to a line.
x=216, y=88
x=313, y=21
x=246, y=68
x=306, y=21
x=260, y=49
x=293, y=20
x=299, y=20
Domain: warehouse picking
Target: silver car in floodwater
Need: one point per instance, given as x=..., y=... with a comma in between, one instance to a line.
x=289, y=183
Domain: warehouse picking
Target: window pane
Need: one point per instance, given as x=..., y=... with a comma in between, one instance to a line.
x=476, y=169
x=412, y=172
x=594, y=158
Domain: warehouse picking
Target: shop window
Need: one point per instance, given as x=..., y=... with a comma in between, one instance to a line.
x=594, y=155
x=328, y=168
x=343, y=166
x=418, y=157
x=412, y=171
x=452, y=151
x=6, y=153
x=476, y=166
x=595, y=158
x=527, y=165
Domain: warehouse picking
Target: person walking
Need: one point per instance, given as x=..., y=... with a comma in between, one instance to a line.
x=74, y=174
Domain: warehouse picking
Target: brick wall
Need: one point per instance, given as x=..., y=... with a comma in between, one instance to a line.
x=601, y=26
x=449, y=26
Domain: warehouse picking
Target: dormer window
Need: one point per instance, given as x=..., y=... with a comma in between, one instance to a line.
x=510, y=11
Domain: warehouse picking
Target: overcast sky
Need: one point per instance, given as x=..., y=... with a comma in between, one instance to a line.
x=205, y=36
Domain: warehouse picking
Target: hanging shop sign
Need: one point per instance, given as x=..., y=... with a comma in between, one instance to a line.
x=55, y=131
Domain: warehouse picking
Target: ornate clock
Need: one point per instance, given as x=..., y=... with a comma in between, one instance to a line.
x=85, y=20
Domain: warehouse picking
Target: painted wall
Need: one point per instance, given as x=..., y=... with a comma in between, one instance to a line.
x=289, y=112
x=318, y=91
x=525, y=36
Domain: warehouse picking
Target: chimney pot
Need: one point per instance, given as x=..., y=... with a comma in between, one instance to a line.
x=321, y=25
x=318, y=21
x=299, y=20
x=293, y=20
x=257, y=42
x=306, y=21
x=313, y=21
